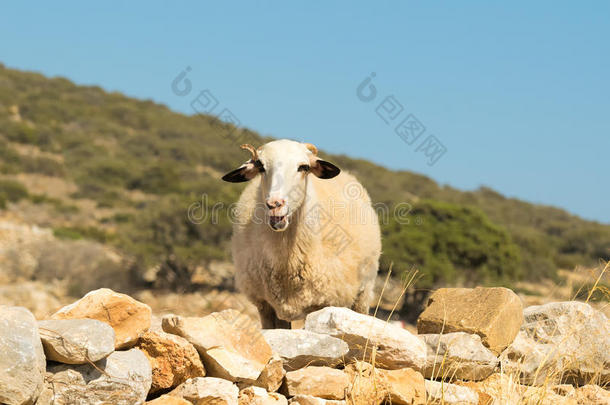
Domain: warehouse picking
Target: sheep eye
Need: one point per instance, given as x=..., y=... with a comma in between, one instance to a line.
x=303, y=168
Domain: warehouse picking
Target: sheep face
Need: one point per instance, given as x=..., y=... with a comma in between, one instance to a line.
x=284, y=167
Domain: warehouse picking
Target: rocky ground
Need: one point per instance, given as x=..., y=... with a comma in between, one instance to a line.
x=472, y=346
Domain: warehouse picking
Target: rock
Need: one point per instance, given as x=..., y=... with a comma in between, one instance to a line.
x=446, y=393
x=128, y=317
x=172, y=358
x=40, y=298
x=592, y=395
x=76, y=341
x=299, y=348
x=169, y=400
x=561, y=342
x=458, y=355
x=230, y=344
x=311, y=400
x=260, y=396
x=371, y=385
x=207, y=390
x=545, y=395
x=323, y=382
x=123, y=378
x=22, y=360
x=404, y=387
x=271, y=377
x=495, y=314
x=394, y=347
x=497, y=389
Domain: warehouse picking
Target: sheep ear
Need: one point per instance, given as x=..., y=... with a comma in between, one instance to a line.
x=245, y=172
x=324, y=169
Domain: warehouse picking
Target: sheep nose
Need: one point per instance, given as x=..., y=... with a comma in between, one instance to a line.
x=275, y=203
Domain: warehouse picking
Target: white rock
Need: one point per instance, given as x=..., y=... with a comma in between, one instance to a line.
x=299, y=348
x=458, y=355
x=446, y=393
x=123, y=378
x=76, y=341
x=207, y=390
x=260, y=396
x=561, y=341
x=395, y=347
x=22, y=360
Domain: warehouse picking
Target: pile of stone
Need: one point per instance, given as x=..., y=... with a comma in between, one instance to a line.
x=474, y=346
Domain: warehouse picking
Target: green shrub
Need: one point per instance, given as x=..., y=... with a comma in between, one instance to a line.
x=13, y=190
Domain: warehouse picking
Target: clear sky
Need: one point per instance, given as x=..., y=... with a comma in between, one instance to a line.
x=517, y=93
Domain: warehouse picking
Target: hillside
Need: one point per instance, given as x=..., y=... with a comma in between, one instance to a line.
x=96, y=165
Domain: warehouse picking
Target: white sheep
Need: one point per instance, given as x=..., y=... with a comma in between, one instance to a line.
x=305, y=234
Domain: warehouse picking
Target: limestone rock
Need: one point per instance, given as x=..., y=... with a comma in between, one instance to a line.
x=592, y=395
x=458, y=355
x=76, y=341
x=311, y=400
x=128, y=317
x=271, y=377
x=123, y=378
x=260, y=396
x=299, y=348
x=172, y=358
x=561, y=341
x=22, y=360
x=169, y=400
x=446, y=393
x=230, y=343
x=394, y=347
x=207, y=390
x=495, y=314
x=323, y=382
x=404, y=386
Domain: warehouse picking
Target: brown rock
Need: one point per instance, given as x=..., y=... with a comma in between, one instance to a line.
x=169, y=400
x=311, y=400
x=271, y=377
x=128, y=317
x=207, y=391
x=230, y=343
x=172, y=358
x=371, y=385
x=323, y=382
x=260, y=396
x=495, y=314
x=592, y=395
x=404, y=386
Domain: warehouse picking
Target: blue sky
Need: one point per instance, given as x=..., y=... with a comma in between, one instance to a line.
x=518, y=94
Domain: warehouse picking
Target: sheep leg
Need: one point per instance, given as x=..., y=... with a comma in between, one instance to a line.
x=269, y=319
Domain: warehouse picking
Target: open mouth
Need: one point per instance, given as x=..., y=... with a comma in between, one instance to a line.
x=278, y=222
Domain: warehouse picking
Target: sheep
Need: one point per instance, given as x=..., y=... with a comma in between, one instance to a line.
x=305, y=235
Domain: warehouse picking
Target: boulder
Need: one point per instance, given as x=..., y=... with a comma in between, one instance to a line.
x=394, y=347
x=22, y=360
x=322, y=382
x=592, y=395
x=169, y=400
x=311, y=400
x=207, y=390
x=495, y=314
x=122, y=378
x=230, y=343
x=128, y=317
x=370, y=385
x=299, y=348
x=446, y=393
x=271, y=377
x=76, y=341
x=172, y=358
x=260, y=396
x=561, y=342
x=458, y=355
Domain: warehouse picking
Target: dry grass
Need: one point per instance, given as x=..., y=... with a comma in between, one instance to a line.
x=502, y=387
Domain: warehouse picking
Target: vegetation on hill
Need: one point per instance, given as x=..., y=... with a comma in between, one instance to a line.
x=145, y=166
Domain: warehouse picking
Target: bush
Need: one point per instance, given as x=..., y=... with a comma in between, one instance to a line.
x=12, y=190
